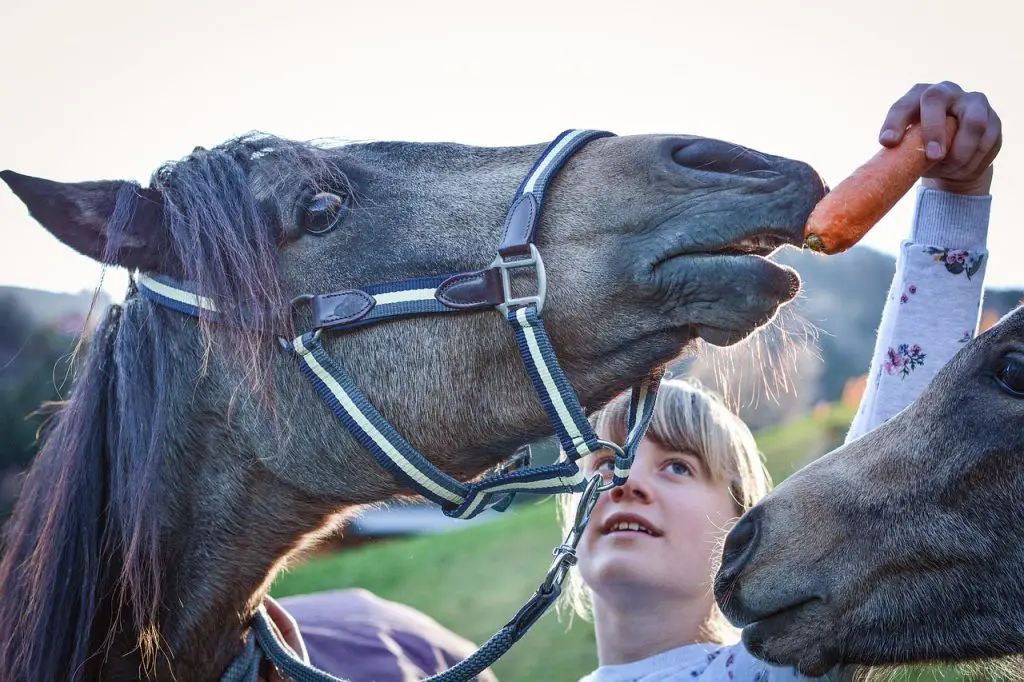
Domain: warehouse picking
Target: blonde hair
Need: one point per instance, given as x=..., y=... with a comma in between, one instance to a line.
x=687, y=418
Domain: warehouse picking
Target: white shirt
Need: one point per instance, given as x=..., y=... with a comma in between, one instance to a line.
x=700, y=663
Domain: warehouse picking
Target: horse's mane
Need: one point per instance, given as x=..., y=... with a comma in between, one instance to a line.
x=84, y=538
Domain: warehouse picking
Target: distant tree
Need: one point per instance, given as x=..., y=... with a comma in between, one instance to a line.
x=33, y=367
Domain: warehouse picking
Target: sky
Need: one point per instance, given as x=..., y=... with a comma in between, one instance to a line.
x=110, y=89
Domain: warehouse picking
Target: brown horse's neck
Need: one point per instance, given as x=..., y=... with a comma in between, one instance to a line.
x=222, y=542
x=239, y=495
x=213, y=582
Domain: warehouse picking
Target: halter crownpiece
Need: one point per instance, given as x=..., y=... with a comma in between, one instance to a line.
x=485, y=289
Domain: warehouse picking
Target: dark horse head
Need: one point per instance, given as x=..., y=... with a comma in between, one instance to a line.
x=193, y=458
x=905, y=545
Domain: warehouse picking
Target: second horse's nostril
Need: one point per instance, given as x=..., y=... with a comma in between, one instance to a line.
x=741, y=542
x=714, y=156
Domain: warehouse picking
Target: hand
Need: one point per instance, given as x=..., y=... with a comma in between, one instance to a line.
x=289, y=633
x=965, y=162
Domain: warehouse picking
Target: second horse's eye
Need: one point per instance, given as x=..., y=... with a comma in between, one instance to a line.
x=323, y=213
x=1010, y=374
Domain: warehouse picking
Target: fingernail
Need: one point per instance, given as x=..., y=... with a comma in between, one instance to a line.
x=888, y=135
x=933, y=151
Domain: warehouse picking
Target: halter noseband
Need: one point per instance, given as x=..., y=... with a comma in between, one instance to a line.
x=485, y=289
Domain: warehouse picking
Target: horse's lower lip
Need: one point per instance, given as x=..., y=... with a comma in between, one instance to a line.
x=714, y=336
x=779, y=626
x=777, y=618
x=752, y=287
x=726, y=256
x=738, y=251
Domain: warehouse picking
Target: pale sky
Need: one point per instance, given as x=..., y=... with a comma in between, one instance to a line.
x=110, y=89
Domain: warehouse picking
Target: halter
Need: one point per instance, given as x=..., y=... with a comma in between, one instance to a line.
x=485, y=289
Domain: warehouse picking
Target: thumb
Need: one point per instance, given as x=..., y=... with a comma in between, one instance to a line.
x=287, y=626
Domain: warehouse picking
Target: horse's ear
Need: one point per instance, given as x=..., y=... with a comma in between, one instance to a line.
x=110, y=221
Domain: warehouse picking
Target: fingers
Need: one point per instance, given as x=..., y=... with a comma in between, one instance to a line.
x=972, y=114
x=991, y=142
x=901, y=114
x=962, y=161
x=287, y=626
x=978, y=133
x=936, y=102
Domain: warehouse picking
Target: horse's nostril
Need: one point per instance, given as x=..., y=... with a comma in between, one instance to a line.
x=741, y=542
x=714, y=156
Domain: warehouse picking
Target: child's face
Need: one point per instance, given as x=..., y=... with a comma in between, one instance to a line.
x=686, y=516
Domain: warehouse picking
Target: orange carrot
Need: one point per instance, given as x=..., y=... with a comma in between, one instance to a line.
x=845, y=215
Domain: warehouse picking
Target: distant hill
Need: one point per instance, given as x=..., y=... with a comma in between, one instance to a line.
x=62, y=312
x=844, y=296
x=38, y=331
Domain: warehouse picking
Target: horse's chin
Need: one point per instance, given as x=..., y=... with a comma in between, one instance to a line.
x=793, y=637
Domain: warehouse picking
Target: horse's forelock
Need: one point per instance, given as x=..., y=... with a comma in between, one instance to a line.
x=228, y=251
x=138, y=433
x=228, y=248
x=227, y=243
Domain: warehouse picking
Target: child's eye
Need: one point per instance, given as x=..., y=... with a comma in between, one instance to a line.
x=679, y=467
x=605, y=466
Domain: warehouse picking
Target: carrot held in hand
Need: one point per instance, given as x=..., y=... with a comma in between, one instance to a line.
x=845, y=214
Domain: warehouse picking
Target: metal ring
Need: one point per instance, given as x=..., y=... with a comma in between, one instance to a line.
x=301, y=298
x=614, y=447
x=619, y=453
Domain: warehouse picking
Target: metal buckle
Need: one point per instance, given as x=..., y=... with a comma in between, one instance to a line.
x=504, y=266
x=565, y=553
x=520, y=459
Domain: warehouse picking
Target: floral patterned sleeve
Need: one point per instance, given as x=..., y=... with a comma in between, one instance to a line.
x=933, y=306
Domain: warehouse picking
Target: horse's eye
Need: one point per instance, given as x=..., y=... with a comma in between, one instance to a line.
x=1010, y=374
x=323, y=213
